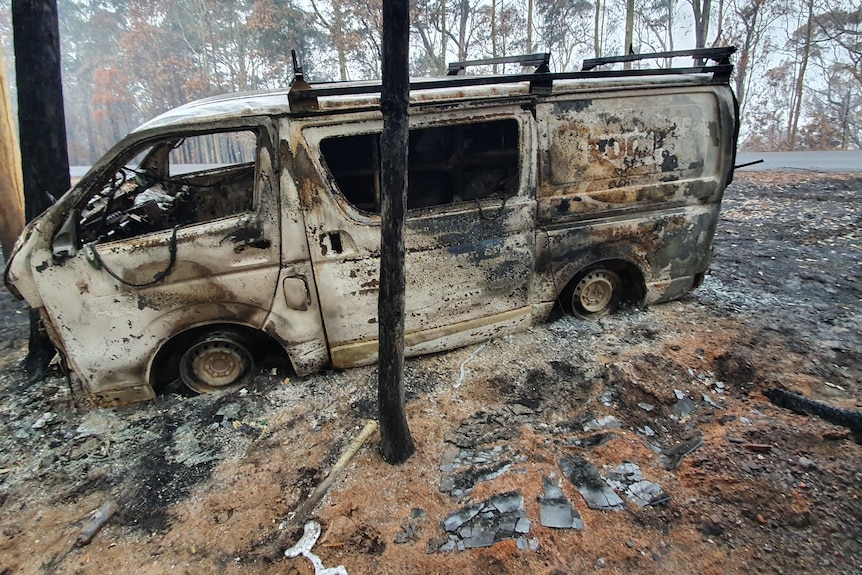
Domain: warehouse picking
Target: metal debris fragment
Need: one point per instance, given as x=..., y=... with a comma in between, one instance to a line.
x=591, y=441
x=684, y=407
x=606, y=422
x=481, y=525
x=463, y=374
x=410, y=529
x=595, y=491
x=303, y=547
x=475, y=455
x=673, y=456
x=629, y=479
x=555, y=508
x=470, y=467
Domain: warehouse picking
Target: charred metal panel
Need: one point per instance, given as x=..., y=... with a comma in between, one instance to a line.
x=628, y=152
x=635, y=177
x=465, y=261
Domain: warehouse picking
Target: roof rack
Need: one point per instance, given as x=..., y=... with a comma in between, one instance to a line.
x=720, y=56
x=540, y=60
x=303, y=97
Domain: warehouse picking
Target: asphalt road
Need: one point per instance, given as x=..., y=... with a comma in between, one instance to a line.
x=833, y=162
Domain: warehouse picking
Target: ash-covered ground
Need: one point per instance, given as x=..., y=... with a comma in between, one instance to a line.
x=641, y=443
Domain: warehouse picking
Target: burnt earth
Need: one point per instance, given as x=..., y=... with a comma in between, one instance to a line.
x=207, y=484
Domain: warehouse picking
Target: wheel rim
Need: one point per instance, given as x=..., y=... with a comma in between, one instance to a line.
x=595, y=293
x=215, y=363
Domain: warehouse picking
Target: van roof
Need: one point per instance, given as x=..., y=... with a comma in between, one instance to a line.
x=331, y=97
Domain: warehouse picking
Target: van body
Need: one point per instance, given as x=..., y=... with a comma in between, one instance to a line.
x=250, y=217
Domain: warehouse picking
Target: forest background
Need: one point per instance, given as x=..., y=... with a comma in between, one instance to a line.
x=798, y=69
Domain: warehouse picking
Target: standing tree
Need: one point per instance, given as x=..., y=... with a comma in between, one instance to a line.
x=396, y=444
x=565, y=30
x=598, y=28
x=803, y=37
x=700, y=11
x=11, y=195
x=630, y=24
x=42, y=124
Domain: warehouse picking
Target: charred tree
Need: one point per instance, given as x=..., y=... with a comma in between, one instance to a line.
x=42, y=126
x=396, y=444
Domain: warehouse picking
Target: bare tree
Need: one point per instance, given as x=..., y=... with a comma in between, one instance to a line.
x=565, y=29
x=843, y=27
x=396, y=444
x=700, y=11
x=750, y=33
x=630, y=24
x=656, y=25
x=804, y=36
x=598, y=28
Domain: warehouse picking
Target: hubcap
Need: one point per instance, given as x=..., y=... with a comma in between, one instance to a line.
x=217, y=364
x=214, y=363
x=595, y=291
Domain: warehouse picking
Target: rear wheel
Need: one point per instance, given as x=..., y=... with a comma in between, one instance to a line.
x=218, y=361
x=594, y=293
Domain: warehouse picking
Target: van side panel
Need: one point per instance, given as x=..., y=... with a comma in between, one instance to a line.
x=469, y=264
x=635, y=177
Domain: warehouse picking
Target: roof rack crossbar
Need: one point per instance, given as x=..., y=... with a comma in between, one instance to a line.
x=719, y=55
x=540, y=60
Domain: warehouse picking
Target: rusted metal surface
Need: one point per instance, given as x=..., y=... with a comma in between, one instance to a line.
x=625, y=174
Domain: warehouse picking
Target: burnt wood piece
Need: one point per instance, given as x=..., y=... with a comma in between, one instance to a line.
x=852, y=420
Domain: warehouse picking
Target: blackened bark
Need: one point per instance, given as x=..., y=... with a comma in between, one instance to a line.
x=396, y=444
x=42, y=125
x=852, y=420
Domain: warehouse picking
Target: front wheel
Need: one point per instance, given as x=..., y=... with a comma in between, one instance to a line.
x=594, y=293
x=219, y=361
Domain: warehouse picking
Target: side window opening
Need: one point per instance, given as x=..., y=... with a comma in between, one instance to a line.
x=446, y=164
x=176, y=181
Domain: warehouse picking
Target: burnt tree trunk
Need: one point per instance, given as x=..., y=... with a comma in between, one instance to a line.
x=42, y=126
x=396, y=445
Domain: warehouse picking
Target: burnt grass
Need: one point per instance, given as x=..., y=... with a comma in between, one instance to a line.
x=780, y=308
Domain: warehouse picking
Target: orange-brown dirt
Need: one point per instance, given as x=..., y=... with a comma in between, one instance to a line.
x=208, y=484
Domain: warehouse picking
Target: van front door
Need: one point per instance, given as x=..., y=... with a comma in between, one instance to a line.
x=469, y=235
x=181, y=232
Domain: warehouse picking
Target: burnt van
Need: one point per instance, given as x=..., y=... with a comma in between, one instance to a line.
x=251, y=218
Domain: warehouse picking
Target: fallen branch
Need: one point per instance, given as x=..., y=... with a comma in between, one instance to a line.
x=104, y=513
x=852, y=420
x=304, y=511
